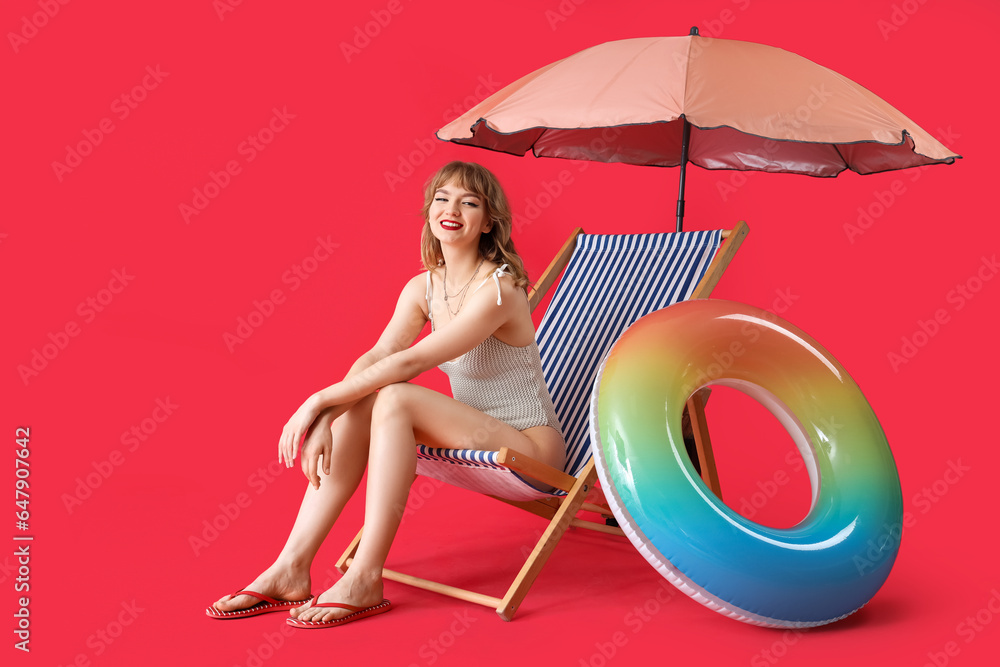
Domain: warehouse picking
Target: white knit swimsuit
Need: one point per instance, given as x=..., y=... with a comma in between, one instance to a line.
x=498, y=379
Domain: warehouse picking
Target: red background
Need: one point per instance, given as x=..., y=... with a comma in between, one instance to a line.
x=123, y=554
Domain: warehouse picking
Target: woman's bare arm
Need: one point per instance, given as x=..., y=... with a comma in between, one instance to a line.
x=478, y=320
x=406, y=323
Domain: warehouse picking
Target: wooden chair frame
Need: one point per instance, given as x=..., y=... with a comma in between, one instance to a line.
x=581, y=493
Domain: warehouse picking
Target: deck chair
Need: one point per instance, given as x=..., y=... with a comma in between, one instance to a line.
x=610, y=281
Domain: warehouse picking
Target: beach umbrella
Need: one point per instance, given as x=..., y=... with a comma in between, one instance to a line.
x=716, y=103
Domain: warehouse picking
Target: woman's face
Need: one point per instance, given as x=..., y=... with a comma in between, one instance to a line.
x=456, y=216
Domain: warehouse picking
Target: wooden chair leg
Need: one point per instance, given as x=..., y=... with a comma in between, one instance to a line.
x=703, y=443
x=547, y=543
x=352, y=549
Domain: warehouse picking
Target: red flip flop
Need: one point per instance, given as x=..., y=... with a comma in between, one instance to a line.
x=265, y=606
x=357, y=614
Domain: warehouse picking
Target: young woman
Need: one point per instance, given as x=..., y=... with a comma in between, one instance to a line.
x=473, y=294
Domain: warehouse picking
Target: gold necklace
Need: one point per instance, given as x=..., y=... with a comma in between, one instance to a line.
x=462, y=291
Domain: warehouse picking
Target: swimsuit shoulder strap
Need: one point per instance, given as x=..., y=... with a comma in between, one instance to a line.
x=500, y=272
x=429, y=296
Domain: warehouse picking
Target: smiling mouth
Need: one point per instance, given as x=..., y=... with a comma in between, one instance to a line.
x=451, y=224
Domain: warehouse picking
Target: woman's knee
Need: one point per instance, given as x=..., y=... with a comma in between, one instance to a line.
x=356, y=422
x=393, y=400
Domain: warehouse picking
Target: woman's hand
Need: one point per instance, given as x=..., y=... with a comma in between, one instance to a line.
x=296, y=429
x=319, y=442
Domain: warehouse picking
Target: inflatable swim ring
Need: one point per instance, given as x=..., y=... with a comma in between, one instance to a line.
x=822, y=569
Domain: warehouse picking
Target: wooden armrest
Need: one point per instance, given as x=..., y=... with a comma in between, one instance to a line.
x=535, y=469
x=553, y=270
x=734, y=239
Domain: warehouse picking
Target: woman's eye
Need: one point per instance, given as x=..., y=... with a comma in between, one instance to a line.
x=440, y=199
x=471, y=203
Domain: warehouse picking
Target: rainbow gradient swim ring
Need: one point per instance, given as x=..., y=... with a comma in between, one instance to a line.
x=824, y=568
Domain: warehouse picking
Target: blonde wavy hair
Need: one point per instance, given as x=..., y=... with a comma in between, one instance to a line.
x=494, y=245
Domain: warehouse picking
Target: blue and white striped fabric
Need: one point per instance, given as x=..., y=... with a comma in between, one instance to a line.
x=610, y=282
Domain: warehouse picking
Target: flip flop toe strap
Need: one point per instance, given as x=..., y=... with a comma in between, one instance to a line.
x=356, y=613
x=264, y=604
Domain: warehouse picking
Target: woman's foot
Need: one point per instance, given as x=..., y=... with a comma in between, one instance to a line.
x=278, y=581
x=355, y=589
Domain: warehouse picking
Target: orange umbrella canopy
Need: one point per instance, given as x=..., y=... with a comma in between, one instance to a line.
x=748, y=106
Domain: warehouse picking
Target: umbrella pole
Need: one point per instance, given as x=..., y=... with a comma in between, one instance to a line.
x=685, y=139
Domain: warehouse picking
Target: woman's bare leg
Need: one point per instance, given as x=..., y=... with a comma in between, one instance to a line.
x=403, y=415
x=288, y=577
